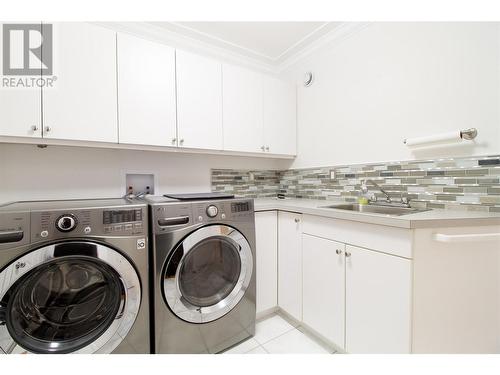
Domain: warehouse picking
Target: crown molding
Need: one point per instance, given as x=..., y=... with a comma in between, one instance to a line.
x=288, y=58
x=334, y=37
x=173, y=39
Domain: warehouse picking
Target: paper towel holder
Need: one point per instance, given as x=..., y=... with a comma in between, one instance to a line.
x=465, y=134
x=468, y=134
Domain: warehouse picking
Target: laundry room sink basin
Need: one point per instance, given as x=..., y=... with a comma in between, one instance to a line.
x=375, y=209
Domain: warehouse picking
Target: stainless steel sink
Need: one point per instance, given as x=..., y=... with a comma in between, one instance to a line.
x=375, y=209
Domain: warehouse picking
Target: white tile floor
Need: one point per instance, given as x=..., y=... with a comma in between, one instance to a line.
x=275, y=335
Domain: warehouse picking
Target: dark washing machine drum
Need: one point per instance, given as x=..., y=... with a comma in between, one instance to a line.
x=207, y=274
x=73, y=297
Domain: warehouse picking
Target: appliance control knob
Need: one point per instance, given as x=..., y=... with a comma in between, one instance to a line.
x=212, y=211
x=66, y=223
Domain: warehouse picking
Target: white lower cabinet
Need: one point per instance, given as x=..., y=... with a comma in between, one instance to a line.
x=266, y=236
x=324, y=287
x=378, y=302
x=290, y=263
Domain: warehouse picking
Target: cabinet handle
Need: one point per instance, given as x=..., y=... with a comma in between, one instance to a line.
x=339, y=252
x=174, y=140
x=440, y=237
x=181, y=141
x=34, y=128
x=297, y=220
x=347, y=254
x=267, y=148
x=48, y=129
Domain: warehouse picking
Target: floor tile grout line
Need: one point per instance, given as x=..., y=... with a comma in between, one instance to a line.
x=274, y=338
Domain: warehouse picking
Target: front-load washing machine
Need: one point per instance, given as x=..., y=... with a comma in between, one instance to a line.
x=203, y=255
x=74, y=277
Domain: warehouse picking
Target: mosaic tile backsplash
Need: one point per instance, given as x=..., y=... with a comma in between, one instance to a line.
x=458, y=183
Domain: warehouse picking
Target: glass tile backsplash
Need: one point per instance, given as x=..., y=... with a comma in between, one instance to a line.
x=470, y=183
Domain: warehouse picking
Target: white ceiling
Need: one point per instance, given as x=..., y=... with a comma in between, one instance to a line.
x=269, y=42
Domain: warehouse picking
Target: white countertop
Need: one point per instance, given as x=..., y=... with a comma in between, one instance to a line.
x=427, y=219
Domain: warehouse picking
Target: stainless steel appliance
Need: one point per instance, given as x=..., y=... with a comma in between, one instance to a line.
x=74, y=277
x=203, y=274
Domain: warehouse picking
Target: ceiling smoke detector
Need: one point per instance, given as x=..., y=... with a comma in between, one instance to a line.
x=308, y=79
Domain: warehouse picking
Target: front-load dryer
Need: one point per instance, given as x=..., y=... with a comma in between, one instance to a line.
x=203, y=282
x=74, y=277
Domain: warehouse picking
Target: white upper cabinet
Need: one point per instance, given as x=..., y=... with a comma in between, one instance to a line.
x=19, y=107
x=199, y=101
x=146, y=92
x=242, y=109
x=280, y=124
x=82, y=103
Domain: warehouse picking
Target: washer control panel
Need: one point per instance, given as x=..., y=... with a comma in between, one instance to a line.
x=66, y=223
x=48, y=225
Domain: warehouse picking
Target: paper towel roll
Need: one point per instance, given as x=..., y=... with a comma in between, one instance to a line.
x=443, y=137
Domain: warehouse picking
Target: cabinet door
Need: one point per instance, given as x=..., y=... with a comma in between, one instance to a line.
x=242, y=109
x=266, y=232
x=199, y=101
x=280, y=124
x=146, y=92
x=377, y=302
x=290, y=263
x=324, y=287
x=20, y=108
x=82, y=103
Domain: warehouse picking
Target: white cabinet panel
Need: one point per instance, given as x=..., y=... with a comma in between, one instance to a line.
x=324, y=287
x=146, y=92
x=20, y=108
x=199, y=101
x=280, y=124
x=82, y=104
x=378, y=302
x=290, y=263
x=242, y=109
x=266, y=230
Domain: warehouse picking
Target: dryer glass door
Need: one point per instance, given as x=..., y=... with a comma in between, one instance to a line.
x=66, y=298
x=208, y=273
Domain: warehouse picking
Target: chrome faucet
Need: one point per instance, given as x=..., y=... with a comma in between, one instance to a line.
x=403, y=200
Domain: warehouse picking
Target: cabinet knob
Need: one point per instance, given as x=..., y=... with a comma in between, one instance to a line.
x=181, y=141
x=297, y=220
x=347, y=254
x=339, y=252
x=34, y=128
x=267, y=148
x=48, y=129
x=174, y=140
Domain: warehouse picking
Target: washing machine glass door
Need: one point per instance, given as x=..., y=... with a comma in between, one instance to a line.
x=208, y=273
x=73, y=297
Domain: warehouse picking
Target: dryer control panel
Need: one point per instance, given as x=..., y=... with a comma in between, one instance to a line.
x=175, y=215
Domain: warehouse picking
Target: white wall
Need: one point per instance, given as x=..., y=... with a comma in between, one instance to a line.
x=392, y=81
x=28, y=172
